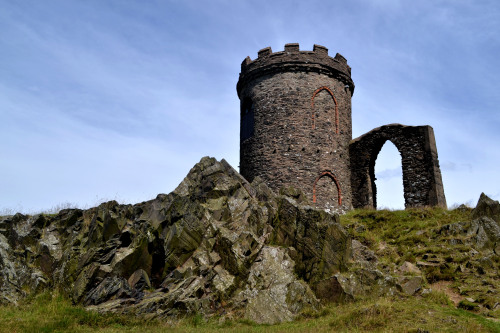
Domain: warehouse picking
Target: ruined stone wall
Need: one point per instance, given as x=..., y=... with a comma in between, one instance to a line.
x=296, y=123
x=422, y=181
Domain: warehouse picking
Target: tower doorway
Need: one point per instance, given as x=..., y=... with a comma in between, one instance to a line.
x=326, y=191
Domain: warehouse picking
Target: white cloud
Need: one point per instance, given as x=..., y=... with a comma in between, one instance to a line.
x=121, y=99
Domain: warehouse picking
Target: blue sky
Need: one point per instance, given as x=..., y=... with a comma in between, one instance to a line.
x=104, y=100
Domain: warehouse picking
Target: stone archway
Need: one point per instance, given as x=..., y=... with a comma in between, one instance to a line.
x=422, y=183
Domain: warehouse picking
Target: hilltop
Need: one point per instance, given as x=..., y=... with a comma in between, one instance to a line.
x=222, y=252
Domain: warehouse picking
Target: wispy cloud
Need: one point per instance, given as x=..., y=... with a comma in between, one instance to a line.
x=105, y=98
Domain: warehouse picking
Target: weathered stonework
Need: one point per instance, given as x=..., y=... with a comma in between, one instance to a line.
x=296, y=122
x=422, y=182
x=296, y=130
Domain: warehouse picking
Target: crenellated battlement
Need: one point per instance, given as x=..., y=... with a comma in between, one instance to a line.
x=292, y=59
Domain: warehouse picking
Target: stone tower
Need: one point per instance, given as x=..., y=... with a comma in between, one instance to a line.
x=296, y=130
x=296, y=123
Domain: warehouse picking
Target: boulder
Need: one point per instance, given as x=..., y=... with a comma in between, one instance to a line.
x=357, y=283
x=361, y=253
x=273, y=294
x=410, y=284
x=408, y=268
x=485, y=232
x=110, y=288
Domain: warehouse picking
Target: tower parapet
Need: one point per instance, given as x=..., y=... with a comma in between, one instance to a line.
x=292, y=59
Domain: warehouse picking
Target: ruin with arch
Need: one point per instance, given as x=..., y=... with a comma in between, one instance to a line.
x=296, y=130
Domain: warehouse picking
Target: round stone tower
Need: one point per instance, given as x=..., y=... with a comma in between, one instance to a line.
x=296, y=123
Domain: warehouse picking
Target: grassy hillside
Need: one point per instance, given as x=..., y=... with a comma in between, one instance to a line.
x=460, y=291
x=449, y=260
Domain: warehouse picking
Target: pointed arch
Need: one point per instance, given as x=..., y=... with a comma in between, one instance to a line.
x=327, y=173
x=317, y=91
x=387, y=183
x=422, y=181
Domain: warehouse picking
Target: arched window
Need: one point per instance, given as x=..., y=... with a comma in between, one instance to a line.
x=247, y=119
x=328, y=90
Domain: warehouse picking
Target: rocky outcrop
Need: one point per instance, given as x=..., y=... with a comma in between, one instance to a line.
x=487, y=207
x=217, y=245
x=483, y=232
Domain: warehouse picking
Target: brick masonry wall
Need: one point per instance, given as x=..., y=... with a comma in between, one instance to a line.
x=300, y=109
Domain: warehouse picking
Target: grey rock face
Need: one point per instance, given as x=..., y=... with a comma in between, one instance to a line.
x=272, y=293
x=9, y=288
x=487, y=207
x=483, y=232
x=361, y=253
x=411, y=285
x=217, y=245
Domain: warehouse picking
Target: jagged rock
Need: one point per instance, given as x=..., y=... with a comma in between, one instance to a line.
x=139, y=280
x=360, y=282
x=487, y=207
x=335, y=289
x=295, y=194
x=453, y=228
x=485, y=232
x=88, y=279
x=204, y=248
x=410, y=284
x=482, y=233
x=110, y=288
x=362, y=253
x=273, y=294
x=408, y=268
x=127, y=260
x=9, y=289
x=462, y=208
x=217, y=245
x=321, y=245
x=262, y=192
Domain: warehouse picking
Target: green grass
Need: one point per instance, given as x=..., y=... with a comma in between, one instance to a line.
x=54, y=313
x=394, y=236
x=414, y=235
x=47, y=313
